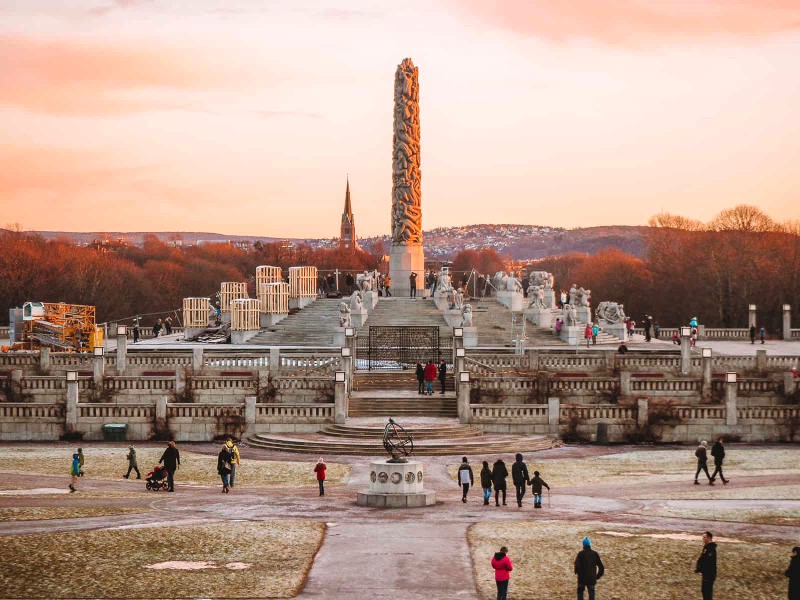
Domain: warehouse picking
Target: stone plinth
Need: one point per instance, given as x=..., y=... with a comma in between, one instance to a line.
x=541, y=317
x=338, y=337
x=584, y=314
x=402, y=261
x=453, y=317
x=396, y=485
x=358, y=317
x=617, y=330
x=511, y=300
x=370, y=299
x=300, y=303
x=573, y=334
x=440, y=299
x=470, y=337
x=550, y=298
x=241, y=337
x=268, y=320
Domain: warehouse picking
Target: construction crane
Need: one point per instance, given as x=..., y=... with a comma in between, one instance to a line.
x=55, y=325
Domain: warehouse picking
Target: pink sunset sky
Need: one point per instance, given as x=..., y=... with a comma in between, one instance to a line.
x=244, y=116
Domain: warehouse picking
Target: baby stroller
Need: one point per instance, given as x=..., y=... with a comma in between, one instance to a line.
x=156, y=479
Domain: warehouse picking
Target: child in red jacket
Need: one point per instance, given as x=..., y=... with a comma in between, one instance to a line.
x=502, y=572
x=320, y=471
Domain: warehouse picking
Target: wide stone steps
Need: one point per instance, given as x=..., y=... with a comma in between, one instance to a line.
x=314, y=325
x=406, y=312
x=393, y=380
x=406, y=403
x=455, y=431
x=493, y=321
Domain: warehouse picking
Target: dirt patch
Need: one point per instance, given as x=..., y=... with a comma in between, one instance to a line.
x=114, y=563
x=34, y=513
x=645, y=564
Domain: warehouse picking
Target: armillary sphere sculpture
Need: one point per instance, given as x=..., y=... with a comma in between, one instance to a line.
x=397, y=441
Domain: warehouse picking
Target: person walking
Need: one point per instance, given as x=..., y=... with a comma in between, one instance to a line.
x=235, y=458
x=537, y=483
x=412, y=284
x=589, y=569
x=499, y=474
x=718, y=452
x=74, y=471
x=157, y=328
x=753, y=334
x=519, y=475
x=135, y=332
x=388, y=285
x=793, y=573
x=80, y=462
x=132, y=463
x=224, y=467
x=647, y=322
x=707, y=566
x=762, y=333
x=486, y=482
x=702, y=462
x=420, y=378
x=502, y=572
x=443, y=374
x=320, y=469
x=465, y=478
x=656, y=330
x=171, y=459
x=595, y=331
x=587, y=334
x=430, y=377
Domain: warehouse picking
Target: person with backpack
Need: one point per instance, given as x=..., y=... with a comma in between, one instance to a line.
x=80, y=462
x=235, y=459
x=224, y=467
x=499, y=474
x=420, y=378
x=536, y=489
x=519, y=475
x=762, y=333
x=595, y=331
x=320, y=469
x=718, y=452
x=589, y=569
x=74, y=471
x=707, y=566
x=702, y=462
x=486, y=482
x=430, y=376
x=502, y=572
x=465, y=478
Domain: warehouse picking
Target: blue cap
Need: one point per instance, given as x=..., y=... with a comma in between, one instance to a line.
x=586, y=542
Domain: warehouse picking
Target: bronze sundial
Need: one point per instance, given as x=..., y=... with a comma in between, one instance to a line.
x=397, y=441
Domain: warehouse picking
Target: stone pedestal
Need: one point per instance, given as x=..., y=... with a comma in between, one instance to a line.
x=453, y=317
x=541, y=317
x=618, y=330
x=396, y=485
x=358, y=318
x=573, y=334
x=584, y=314
x=241, y=337
x=402, y=261
x=370, y=299
x=300, y=303
x=550, y=298
x=268, y=320
x=787, y=322
x=440, y=299
x=470, y=337
x=338, y=337
x=511, y=300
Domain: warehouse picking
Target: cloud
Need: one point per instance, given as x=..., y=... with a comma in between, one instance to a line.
x=91, y=77
x=637, y=22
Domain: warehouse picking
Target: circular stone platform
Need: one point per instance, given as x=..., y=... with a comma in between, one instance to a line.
x=396, y=485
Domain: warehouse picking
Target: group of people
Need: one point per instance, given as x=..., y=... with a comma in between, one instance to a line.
x=761, y=331
x=495, y=477
x=427, y=375
x=718, y=453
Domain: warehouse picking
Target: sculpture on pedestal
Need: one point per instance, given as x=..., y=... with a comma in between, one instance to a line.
x=443, y=282
x=541, y=278
x=344, y=315
x=356, y=304
x=466, y=316
x=513, y=284
x=536, y=295
x=610, y=313
x=570, y=315
x=499, y=281
x=397, y=441
x=366, y=280
x=583, y=297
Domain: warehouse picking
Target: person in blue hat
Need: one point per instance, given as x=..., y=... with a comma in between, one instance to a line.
x=589, y=568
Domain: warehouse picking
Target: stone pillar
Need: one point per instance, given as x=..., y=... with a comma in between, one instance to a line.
x=752, y=318
x=161, y=409
x=274, y=360
x=340, y=402
x=553, y=415
x=686, y=354
x=16, y=384
x=464, y=412
x=122, y=351
x=458, y=366
x=533, y=359
x=98, y=371
x=761, y=360
x=72, y=405
x=180, y=382
x=609, y=357
x=44, y=361
x=731, y=388
x=542, y=385
x=707, y=362
x=197, y=360
x=642, y=407
x=250, y=414
x=625, y=383
x=789, y=384
x=347, y=365
x=787, y=322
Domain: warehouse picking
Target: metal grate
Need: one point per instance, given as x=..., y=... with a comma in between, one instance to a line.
x=401, y=347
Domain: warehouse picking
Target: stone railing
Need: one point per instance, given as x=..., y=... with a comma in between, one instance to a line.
x=303, y=363
x=238, y=383
x=751, y=386
x=635, y=362
x=496, y=363
x=202, y=411
x=30, y=410
x=19, y=360
x=594, y=412
x=588, y=361
x=229, y=360
x=718, y=333
x=36, y=384
x=795, y=334
x=143, y=384
x=529, y=413
x=781, y=413
x=782, y=362
x=144, y=332
x=67, y=361
x=116, y=411
x=289, y=413
x=4, y=332
x=721, y=363
x=671, y=386
x=705, y=414
x=582, y=385
x=516, y=385
x=159, y=360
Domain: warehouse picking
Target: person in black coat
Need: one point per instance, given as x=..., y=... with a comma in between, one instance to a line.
x=793, y=573
x=421, y=378
x=224, y=467
x=707, y=566
x=486, y=482
x=702, y=462
x=442, y=374
x=170, y=459
x=718, y=452
x=519, y=475
x=537, y=483
x=499, y=474
x=589, y=568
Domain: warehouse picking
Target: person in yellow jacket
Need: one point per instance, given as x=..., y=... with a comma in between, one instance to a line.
x=234, y=451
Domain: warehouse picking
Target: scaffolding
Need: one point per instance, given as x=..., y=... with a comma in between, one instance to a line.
x=266, y=274
x=245, y=314
x=61, y=326
x=274, y=298
x=196, y=312
x=229, y=291
x=303, y=282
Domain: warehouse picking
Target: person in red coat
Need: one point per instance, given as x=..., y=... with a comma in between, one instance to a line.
x=502, y=572
x=430, y=376
x=319, y=469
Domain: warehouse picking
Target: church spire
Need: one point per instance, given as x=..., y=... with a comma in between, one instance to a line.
x=347, y=238
x=348, y=210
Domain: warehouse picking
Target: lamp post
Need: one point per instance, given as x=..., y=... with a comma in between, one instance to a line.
x=463, y=397
x=751, y=315
x=122, y=349
x=731, y=386
x=707, y=362
x=686, y=350
x=340, y=397
x=787, y=322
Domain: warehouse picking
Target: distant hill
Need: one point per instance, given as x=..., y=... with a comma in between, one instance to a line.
x=518, y=241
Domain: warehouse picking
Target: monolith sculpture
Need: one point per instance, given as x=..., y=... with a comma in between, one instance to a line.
x=407, y=255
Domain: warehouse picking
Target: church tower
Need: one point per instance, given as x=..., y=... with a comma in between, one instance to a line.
x=347, y=238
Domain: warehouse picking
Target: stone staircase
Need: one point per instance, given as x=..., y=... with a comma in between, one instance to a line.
x=439, y=437
x=401, y=381
x=404, y=312
x=314, y=325
x=493, y=321
x=395, y=394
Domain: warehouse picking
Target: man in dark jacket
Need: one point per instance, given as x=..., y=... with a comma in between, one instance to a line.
x=442, y=374
x=170, y=459
x=465, y=478
x=499, y=474
x=536, y=489
x=589, y=568
x=793, y=573
x=519, y=475
x=752, y=334
x=702, y=462
x=420, y=378
x=718, y=452
x=707, y=566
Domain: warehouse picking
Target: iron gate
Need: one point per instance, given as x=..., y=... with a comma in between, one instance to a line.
x=402, y=347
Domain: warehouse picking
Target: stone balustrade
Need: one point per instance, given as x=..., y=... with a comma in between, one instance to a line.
x=584, y=362
x=289, y=413
x=582, y=385
x=228, y=360
x=530, y=413
x=671, y=386
x=139, y=384
x=107, y=411
x=493, y=363
x=220, y=384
